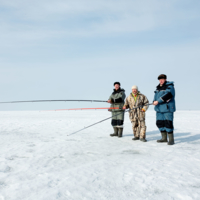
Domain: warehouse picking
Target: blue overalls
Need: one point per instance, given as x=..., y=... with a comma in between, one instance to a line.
x=166, y=107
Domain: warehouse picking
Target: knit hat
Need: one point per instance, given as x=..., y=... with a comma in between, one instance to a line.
x=117, y=83
x=162, y=76
x=134, y=87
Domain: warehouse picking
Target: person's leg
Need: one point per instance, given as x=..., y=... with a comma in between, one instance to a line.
x=135, y=130
x=115, y=132
x=160, y=122
x=114, y=124
x=142, y=127
x=117, y=123
x=169, y=127
x=134, y=127
x=120, y=123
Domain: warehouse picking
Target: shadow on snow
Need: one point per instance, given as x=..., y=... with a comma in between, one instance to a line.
x=178, y=137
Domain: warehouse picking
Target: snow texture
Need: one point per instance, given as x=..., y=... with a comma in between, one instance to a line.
x=38, y=161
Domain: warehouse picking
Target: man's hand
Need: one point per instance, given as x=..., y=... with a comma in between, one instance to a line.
x=124, y=107
x=109, y=101
x=155, y=103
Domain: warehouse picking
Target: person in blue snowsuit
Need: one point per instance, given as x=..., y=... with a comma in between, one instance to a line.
x=164, y=101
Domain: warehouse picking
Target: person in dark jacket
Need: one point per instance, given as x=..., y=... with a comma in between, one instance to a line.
x=116, y=100
x=164, y=101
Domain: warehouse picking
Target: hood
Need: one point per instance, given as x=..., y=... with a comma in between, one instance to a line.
x=118, y=91
x=170, y=83
x=165, y=85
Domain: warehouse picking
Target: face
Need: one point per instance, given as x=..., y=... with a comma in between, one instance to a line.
x=134, y=91
x=162, y=81
x=117, y=86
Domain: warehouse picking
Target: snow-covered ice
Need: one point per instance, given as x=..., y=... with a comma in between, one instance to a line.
x=38, y=161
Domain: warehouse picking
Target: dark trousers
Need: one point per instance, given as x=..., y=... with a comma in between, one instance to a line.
x=164, y=121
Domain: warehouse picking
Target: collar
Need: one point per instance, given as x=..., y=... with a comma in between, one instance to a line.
x=135, y=95
x=118, y=91
x=159, y=87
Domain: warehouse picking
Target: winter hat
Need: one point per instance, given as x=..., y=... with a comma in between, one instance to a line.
x=134, y=87
x=162, y=76
x=117, y=83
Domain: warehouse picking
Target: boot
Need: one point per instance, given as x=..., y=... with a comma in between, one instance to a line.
x=143, y=140
x=120, y=132
x=164, y=137
x=136, y=138
x=171, y=138
x=115, y=132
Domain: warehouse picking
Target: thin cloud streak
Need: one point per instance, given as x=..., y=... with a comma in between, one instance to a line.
x=43, y=20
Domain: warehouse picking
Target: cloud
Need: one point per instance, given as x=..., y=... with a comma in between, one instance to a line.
x=28, y=26
x=40, y=20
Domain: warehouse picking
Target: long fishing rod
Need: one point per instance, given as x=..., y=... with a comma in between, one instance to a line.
x=109, y=118
x=36, y=101
x=114, y=108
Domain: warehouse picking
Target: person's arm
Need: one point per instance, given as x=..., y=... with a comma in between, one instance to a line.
x=155, y=102
x=110, y=100
x=123, y=96
x=167, y=96
x=146, y=101
x=126, y=105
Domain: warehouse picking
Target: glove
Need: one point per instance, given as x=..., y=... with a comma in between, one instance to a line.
x=143, y=110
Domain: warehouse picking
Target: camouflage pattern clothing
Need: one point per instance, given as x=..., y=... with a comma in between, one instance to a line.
x=117, y=100
x=137, y=116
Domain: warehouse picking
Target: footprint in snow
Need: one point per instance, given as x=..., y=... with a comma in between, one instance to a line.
x=31, y=145
x=71, y=140
x=9, y=158
x=91, y=153
x=30, y=151
x=5, y=169
x=2, y=185
x=130, y=152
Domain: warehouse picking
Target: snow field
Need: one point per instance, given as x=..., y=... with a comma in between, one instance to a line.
x=39, y=161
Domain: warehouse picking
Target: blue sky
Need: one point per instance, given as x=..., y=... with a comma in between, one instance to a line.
x=78, y=49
